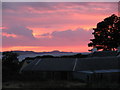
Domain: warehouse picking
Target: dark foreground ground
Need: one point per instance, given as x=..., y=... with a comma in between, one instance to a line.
x=56, y=84
x=43, y=84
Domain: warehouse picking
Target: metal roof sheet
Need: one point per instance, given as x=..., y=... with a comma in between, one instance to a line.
x=97, y=63
x=73, y=64
x=52, y=64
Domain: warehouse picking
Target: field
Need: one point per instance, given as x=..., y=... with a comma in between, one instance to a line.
x=44, y=84
x=57, y=84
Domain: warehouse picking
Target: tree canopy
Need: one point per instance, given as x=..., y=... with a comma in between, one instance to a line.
x=10, y=65
x=106, y=34
x=9, y=58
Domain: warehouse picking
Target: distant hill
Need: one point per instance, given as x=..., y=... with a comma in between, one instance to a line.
x=32, y=52
x=24, y=54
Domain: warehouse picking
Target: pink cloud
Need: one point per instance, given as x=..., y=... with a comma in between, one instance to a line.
x=2, y=28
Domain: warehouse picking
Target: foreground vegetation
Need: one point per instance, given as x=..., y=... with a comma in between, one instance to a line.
x=58, y=84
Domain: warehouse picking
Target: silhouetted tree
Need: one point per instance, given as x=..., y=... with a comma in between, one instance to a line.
x=9, y=59
x=10, y=65
x=107, y=34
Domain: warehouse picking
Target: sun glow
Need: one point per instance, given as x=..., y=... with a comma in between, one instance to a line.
x=9, y=35
x=42, y=49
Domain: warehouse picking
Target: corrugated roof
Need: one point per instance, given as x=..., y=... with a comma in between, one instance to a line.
x=98, y=63
x=73, y=64
x=52, y=64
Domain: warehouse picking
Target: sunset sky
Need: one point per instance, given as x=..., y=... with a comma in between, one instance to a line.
x=48, y=26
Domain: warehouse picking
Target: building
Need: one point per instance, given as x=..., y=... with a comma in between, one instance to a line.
x=87, y=69
x=94, y=69
x=50, y=68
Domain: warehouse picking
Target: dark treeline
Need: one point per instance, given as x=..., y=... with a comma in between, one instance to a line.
x=50, y=56
x=10, y=66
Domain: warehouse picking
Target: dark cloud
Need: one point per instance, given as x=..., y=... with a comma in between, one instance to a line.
x=46, y=34
x=24, y=36
x=78, y=34
x=19, y=31
x=36, y=5
x=44, y=6
x=59, y=38
x=62, y=13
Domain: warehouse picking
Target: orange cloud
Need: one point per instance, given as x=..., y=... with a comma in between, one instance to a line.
x=8, y=35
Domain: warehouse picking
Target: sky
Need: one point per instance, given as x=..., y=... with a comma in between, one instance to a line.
x=48, y=26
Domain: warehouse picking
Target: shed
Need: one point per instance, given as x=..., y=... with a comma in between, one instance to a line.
x=111, y=75
x=94, y=69
x=71, y=68
x=51, y=68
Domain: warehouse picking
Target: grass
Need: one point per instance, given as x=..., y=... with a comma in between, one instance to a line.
x=58, y=84
x=43, y=84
